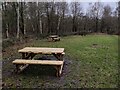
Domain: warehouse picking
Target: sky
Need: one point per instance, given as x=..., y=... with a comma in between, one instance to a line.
x=63, y=0
x=91, y=0
x=113, y=5
x=84, y=3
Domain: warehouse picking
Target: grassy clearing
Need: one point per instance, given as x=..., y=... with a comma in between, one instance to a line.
x=90, y=61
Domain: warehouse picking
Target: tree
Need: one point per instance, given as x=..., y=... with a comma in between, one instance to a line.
x=96, y=13
x=106, y=18
x=18, y=28
x=76, y=10
x=21, y=17
x=61, y=10
x=119, y=16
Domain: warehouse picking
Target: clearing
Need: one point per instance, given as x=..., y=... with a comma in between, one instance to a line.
x=90, y=61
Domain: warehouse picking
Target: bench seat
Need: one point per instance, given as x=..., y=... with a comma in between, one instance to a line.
x=44, y=62
x=57, y=38
x=53, y=38
x=24, y=63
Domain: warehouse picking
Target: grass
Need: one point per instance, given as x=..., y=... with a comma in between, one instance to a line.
x=90, y=61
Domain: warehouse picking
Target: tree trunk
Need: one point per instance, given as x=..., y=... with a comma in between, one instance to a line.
x=32, y=27
x=24, y=29
x=7, y=32
x=73, y=27
x=119, y=17
x=96, y=26
x=58, y=26
x=40, y=26
x=22, y=18
x=18, y=28
x=48, y=20
x=6, y=22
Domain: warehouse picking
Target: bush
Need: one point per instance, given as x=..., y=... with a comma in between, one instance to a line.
x=7, y=43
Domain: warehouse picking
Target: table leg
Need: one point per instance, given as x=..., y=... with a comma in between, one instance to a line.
x=59, y=56
x=59, y=70
x=28, y=55
x=32, y=55
x=20, y=68
x=23, y=55
x=17, y=68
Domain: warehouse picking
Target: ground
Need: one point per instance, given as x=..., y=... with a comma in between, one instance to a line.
x=90, y=61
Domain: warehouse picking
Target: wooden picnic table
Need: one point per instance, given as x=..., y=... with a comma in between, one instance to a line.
x=28, y=53
x=54, y=38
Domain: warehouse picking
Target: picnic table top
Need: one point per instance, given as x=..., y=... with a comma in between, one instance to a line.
x=53, y=36
x=41, y=50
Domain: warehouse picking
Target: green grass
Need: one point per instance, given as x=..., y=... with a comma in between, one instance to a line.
x=93, y=62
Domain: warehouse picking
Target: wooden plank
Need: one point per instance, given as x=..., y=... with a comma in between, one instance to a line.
x=60, y=71
x=44, y=62
x=53, y=36
x=63, y=53
x=59, y=56
x=23, y=67
x=41, y=50
x=56, y=39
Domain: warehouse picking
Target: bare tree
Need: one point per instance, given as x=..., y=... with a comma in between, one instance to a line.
x=61, y=10
x=21, y=17
x=107, y=18
x=119, y=16
x=96, y=13
x=44, y=18
x=76, y=10
x=5, y=17
x=18, y=28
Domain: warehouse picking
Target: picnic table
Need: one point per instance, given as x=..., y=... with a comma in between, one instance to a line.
x=53, y=38
x=28, y=53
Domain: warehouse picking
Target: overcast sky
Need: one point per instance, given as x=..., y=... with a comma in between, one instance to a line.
x=113, y=5
x=63, y=0
x=91, y=0
x=84, y=3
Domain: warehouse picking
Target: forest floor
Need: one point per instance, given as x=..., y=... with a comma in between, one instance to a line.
x=90, y=61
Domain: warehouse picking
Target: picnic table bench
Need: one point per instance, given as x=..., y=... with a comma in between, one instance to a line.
x=29, y=52
x=53, y=38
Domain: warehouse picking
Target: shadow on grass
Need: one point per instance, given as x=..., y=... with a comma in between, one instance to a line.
x=39, y=70
x=37, y=75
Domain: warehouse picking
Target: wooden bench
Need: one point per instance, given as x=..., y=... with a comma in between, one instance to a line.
x=21, y=64
x=57, y=39
x=53, y=38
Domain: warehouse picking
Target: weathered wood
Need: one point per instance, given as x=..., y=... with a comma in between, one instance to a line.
x=59, y=56
x=44, y=62
x=41, y=50
x=23, y=67
x=20, y=67
x=53, y=38
x=57, y=64
x=59, y=70
x=56, y=39
x=61, y=67
x=28, y=55
x=29, y=52
x=63, y=53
